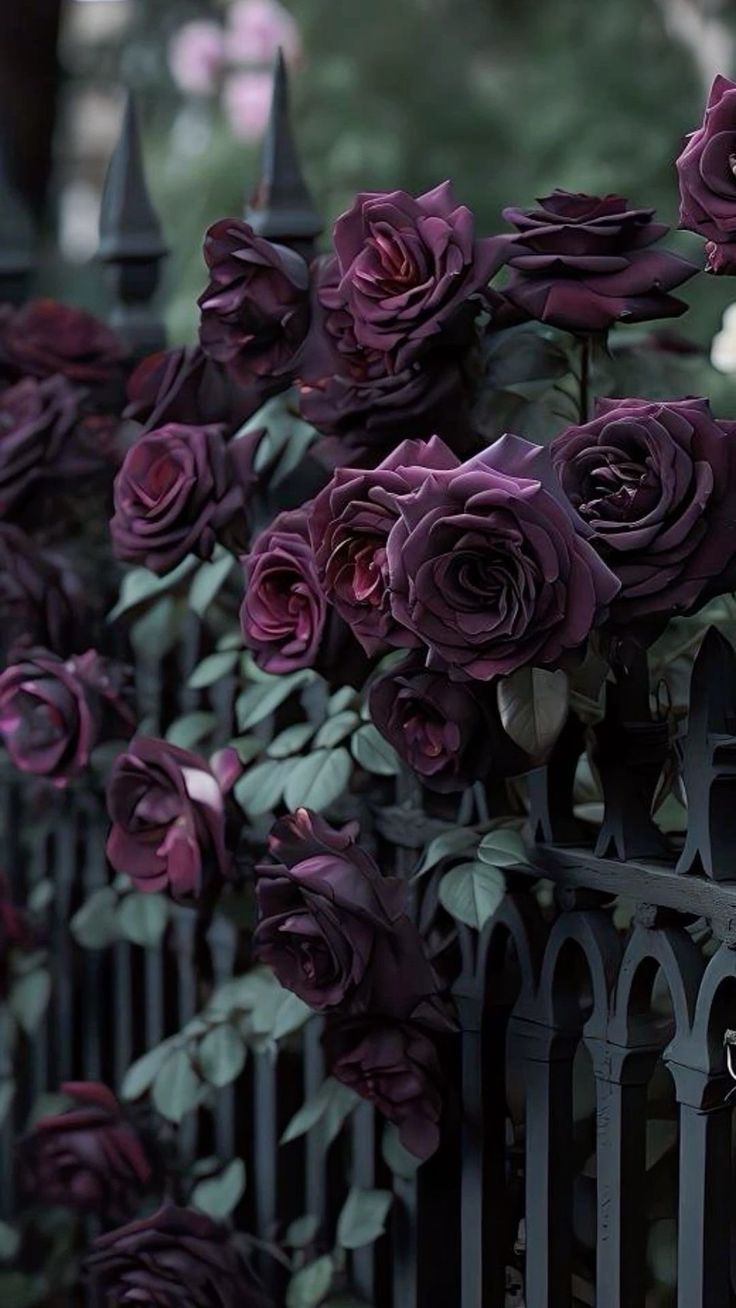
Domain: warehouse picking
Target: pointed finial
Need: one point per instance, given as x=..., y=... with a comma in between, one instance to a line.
x=18, y=241
x=282, y=208
x=131, y=241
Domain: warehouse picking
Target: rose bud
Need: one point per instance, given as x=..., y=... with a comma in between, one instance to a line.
x=167, y=810
x=45, y=337
x=88, y=1157
x=180, y=489
x=706, y=172
x=52, y=711
x=41, y=598
x=334, y=930
x=36, y=419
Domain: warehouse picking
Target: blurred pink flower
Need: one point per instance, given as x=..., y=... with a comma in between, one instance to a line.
x=247, y=99
x=257, y=28
x=196, y=55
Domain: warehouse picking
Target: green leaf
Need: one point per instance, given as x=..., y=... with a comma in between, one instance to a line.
x=176, y=1087
x=191, y=728
x=454, y=841
x=247, y=748
x=374, y=753
x=341, y=699
x=29, y=998
x=41, y=896
x=503, y=847
x=259, y=789
x=7, y=1094
x=213, y=668
x=221, y=1055
x=302, y=1232
x=363, y=1218
x=140, y=585
x=292, y=1014
x=207, y=581
x=336, y=729
x=9, y=1242
x=332, y=1103
x=156, y=633
x=143, y=918
x=533, y=704
x=257, y=702
x=472, y=892
x=219, y=1196
x=141, y=1075
x=291, y=740
x=402, y=1163
x=318, y=780
x=310, y=1285
x=94, y=925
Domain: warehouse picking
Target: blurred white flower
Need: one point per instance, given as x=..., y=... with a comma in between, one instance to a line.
x=723, y=349
x=257, y=28
x=196, y=56
x=247, y=100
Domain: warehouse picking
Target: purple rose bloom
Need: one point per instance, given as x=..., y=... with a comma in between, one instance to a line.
x=179, y=489
x=334, y=930
x=448, y=732
x=350, y=522
x=167, y=811
x=88, y=1158
x=408, y=267
x=52, y=711
x=489, y=565
x=172, y=1258
x=185, y=386
x=584, y=262
x=394, y=1065
x=255, y=310
x=40, y=597
x=655, y=481
x=706, y=171
x=282, y=616
x=36, y=419
x=44, y=337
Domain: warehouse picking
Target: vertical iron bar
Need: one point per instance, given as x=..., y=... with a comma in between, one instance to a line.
x=703, y=1228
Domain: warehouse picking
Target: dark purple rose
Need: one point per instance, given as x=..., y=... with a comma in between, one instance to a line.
x=408, y=267
x=655, y=481
x=334, y=930
x=394, y=1065
x=168, y=818
x=584, y=262
x=16, y=933
x=706, y=171
x=36, y=419
x=489, y=565
x=88, y=1158
x=174, y=1258
x=45, y=337
x=283, y=612
x=350, y=524
x=52, y=710
x=178, y=490
x=255, y=310
x=448, y=732
x=185, y=386
x=40, y=596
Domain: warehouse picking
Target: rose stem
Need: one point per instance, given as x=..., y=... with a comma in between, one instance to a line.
x=585, y=360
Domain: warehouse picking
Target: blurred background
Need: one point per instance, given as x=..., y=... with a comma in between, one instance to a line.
x=507, y=99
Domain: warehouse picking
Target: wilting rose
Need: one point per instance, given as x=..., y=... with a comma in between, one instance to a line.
x=409, y=267
x=184, y=386
x=655, y=481
x=16, y=933
x=706, y=171
x=334, y=930
x=350, y=522
x=88, y=1157
x=168, y=818
x=52, y=710
x=255, y=310
x=584, y=262
x=448, y=732
x=172, y=1258
x=489, y=566
x=36, y=419
x=282, y=617
x=395, y=1066
x=40, y=596
x=179, y=489
x=44, y=337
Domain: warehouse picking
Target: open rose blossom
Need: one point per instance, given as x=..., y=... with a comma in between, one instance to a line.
x=168, y=818
x=334, y=930
x=448, y=732
x=255, y=310
x=394, y=1065
x=655, y=481
x=36, y=419
x=350, y=522
x=52, y=711
x=44, y=337
x=282, y=617
x=584, y=262
x=409, y=267
x=179, y=490
x=184, y=386
x=489, y=565
x=40, y=596
x=706, y=171
x=88, y=1157
x=174, y=1258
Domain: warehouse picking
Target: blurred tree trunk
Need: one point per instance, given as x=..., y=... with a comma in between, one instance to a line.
x=29, y=81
